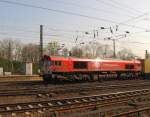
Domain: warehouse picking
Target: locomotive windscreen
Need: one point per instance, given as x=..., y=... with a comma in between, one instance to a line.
x=80, y=65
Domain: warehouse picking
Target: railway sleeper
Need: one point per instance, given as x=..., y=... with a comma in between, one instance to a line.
x=77, y=100
x=8, y=108
x=68, y=102
x=19, y=107
x=40, y=105
x=59, y=103
x=30, y=106
x=50, y=104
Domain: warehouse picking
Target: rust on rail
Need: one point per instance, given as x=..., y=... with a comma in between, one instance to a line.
x=131, y=112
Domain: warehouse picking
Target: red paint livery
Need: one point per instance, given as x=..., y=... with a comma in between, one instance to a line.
x=67, y=65
x=76, y=66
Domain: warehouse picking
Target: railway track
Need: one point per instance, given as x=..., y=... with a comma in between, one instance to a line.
x=46, y=91
x=144, y=111
x=37, y=83
x=67, y=104
x=40, y=87
x=27, y=94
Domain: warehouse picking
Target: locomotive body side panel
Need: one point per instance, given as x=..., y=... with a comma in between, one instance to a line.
x=94, y=66
x=111, y=66
x=89, y=65
x=80, y=65
x=122, y=66
x=77, y=68
x=61, y=65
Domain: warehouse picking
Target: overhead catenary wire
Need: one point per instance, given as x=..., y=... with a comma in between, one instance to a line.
x=122, y=23
x=130, y=19
x=125, y=5
x=33, y=38
x=139, y=16
x=17, y=36
x=36, y=36
x=35, y=41
x=134, y=18
x=116, y=6
x=88, y=7
x=24, y=30
x=67, y=31
x=67, y=12
x=58, y=32
x=14, y=28
x=55, y=10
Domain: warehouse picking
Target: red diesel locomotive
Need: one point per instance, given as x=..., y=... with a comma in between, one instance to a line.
x=56, y=68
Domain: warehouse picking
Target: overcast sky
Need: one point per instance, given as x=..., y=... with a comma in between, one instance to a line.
x=64, y=20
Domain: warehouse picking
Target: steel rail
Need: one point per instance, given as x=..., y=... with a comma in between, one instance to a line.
x=47, y=91
x=131, y=112
x=57, y=104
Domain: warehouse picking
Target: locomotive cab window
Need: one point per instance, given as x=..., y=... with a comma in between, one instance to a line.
x=57, y=63
x=80, y=65
x=129, y=66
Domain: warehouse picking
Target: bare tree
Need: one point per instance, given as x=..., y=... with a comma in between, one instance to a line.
x=6, y=46
x=77, y=52
x=87, y=51
x=30, y=53
x=125, y=54
x=52, y=48
x=65, y=52
x=17, y=50
x=10, y=49
x=96, y=49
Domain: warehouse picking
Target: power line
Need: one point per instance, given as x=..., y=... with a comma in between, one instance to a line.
x=27, y=34
x=67, y=12
x=53, y=35
x=47, y=35
x=87, y=7
x=46, y=32
x=36, y=32
x=134, y=18
x=135, y=42
x=48, y=27
x=20, y=29
x=71, y=13
x=21, y=32
x=32, y=37
x=56, y=10
x=62, y=30
x=117, y=7
x=131, y=19
x=126, y=6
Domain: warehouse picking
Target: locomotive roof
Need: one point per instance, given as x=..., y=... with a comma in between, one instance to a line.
x=86, y=59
